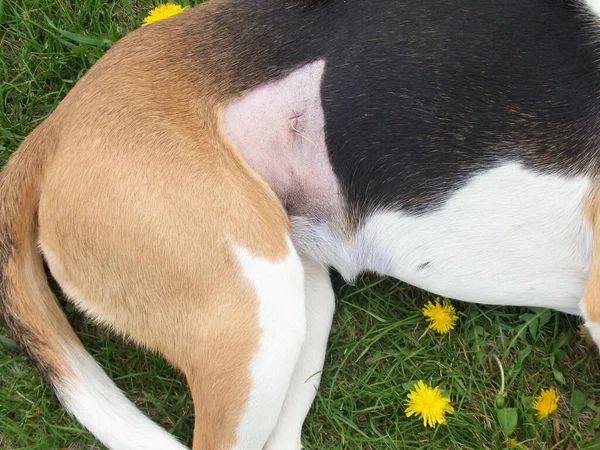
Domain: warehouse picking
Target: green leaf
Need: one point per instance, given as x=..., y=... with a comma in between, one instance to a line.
x=527, y=401
x=592, y=405
x=9, y=344
x=409, y=385
x=533, y=328
x=522, y=354
x=375, y=358
x=507, y=418
x=594, y=445
x=545, y=317
x=562, y=340
x=558, y=376
x=560, y=355
x=501, y=400
x=85, y=39
x=577, y=403
x=535, y=322
x=96, y=41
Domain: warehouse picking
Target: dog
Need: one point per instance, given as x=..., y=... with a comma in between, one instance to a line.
x=194, y=187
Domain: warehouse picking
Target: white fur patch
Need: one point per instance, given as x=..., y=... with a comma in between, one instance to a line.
x=592, y=327
x=594, y=6
x=510, y=236
x=594, y=330
x=280, y=292
x=320, y=304
x=102, y=408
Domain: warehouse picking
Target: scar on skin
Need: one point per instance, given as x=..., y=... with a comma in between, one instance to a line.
x=294, y=126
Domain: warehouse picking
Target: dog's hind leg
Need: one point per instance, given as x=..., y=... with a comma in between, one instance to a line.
x=280, y=294
x=238, y=353
x=320, y=304
x=188, y=255
x=590, y=306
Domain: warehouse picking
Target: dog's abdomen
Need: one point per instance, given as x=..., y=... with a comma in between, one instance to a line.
x=460, y=138
x=509, y=236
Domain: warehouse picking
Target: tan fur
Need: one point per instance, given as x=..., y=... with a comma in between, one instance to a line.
x=25, y=292
x=591, y=296
x=140, y=203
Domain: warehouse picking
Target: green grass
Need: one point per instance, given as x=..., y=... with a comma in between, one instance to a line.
x=377, y=347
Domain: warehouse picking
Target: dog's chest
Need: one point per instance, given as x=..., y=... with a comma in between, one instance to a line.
x=508, y=236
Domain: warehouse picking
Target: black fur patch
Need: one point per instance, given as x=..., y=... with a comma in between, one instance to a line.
x=421, y=95
x=314, y=3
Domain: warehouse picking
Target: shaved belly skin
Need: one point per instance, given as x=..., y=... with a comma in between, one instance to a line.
x=279, y=130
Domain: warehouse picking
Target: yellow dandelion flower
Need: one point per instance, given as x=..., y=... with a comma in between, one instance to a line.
x=546, y=403
x=441, y=317
x=429, y=404
x=511, y=442
x=162, y=12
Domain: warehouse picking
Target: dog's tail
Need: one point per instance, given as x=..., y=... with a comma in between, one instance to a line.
x=36, y=320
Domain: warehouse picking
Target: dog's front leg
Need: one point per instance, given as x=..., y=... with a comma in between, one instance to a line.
x=320, y=304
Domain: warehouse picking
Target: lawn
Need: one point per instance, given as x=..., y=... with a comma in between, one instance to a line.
x=491, y=365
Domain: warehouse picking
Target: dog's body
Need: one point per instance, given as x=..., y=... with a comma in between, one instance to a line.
x=193, y=188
